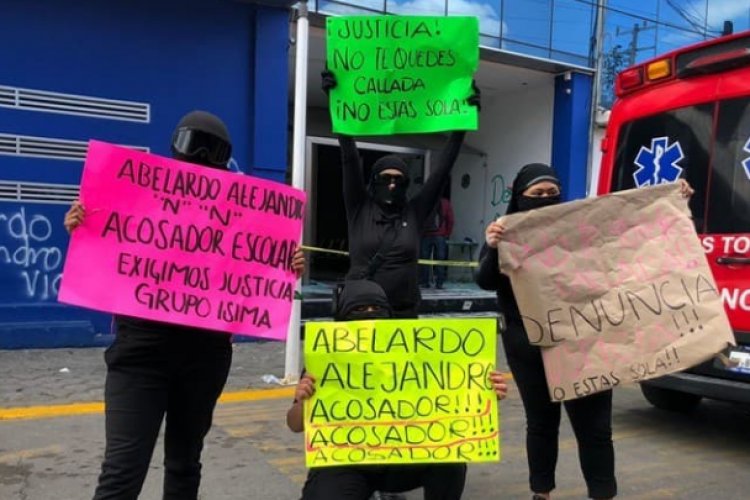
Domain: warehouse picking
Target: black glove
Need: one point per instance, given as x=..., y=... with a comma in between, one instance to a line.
x=328, y=80
x=475, y=99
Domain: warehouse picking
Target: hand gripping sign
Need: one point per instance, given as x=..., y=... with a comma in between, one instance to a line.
x=175, y=242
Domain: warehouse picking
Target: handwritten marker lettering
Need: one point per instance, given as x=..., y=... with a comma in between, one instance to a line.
x=397, y=75
x=615, y=290
x=401, y=391
x=180, y=243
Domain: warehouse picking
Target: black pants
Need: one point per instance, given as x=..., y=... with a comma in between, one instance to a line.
x=180, y=374
x=591, y=418
x=440, y=481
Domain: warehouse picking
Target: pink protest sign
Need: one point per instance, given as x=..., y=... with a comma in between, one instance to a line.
x=180, y=243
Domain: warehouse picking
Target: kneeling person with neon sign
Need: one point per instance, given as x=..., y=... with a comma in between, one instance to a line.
x=366, y=300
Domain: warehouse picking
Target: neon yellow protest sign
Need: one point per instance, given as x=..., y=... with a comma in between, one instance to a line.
x=402, y=74
x=401, y=391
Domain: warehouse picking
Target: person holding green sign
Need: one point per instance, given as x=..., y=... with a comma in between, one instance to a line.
x=363, y=300
x=384, y=226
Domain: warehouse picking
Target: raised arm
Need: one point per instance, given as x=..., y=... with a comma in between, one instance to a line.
x=353, y=177
x=351, y=164
x=430, y=193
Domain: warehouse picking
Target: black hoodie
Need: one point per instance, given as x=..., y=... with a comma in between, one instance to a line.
x=488, y=276
x=369, y=220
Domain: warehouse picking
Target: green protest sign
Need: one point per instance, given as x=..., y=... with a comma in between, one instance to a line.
x=401, y=391
x=402, y=74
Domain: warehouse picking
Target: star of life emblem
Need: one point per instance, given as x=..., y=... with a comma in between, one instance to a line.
x=658, y=164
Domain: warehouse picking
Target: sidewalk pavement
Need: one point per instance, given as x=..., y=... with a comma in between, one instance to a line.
x=66, y=375
x=57, y=376
x=250, y=454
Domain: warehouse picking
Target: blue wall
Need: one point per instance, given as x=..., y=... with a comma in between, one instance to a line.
x=176, y=55
x=570, y=132
x=270, y=101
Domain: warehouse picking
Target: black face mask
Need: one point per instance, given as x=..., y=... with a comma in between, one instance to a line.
x=531, y=202
x=385, y=196
x=365, y=315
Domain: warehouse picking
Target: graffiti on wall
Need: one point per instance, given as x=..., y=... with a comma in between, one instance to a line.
x=501, y=192
x=27, y=250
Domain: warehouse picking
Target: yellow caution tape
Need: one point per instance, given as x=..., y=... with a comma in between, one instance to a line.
x=324, y=250
x=450, y=263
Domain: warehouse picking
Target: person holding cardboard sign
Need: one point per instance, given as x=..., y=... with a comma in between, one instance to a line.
x=363, y=300
x=384, y=226
x=157, y=370
x=535, y=186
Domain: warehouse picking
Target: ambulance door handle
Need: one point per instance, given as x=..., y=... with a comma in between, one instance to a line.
x=733, y=260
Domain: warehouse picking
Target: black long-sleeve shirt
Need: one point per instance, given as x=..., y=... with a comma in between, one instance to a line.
x=368, y=224
x=488, y=277
x=145, y=332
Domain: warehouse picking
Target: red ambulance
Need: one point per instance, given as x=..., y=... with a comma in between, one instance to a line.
x=687, y=114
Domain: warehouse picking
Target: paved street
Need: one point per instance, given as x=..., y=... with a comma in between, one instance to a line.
x=251, y=455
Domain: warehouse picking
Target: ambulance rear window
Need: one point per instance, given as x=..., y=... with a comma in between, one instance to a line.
x=729, y=188
x=663, y=148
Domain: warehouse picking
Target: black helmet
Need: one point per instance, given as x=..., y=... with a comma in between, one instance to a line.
x=201, y=137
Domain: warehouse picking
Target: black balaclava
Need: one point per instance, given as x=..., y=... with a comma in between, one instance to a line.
x=386, y=198
x=358, y=293
x=531, y=174
x=202, y=138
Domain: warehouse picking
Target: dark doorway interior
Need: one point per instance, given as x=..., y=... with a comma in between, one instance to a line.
x=330, y=229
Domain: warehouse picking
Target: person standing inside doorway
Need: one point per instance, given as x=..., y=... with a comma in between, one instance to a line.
x=384, y=225
x=434, y=244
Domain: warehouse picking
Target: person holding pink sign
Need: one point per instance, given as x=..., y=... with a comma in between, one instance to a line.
x=157, y=370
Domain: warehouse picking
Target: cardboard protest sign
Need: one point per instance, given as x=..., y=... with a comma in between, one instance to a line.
x=615, y=289
x=180, y=243
x=402, y=74
x=401, y=391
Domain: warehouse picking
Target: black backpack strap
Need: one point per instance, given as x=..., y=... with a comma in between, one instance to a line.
x=389, y=238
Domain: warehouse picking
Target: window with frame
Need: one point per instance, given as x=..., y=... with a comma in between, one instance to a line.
x=664, y=147
x=729, y=185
